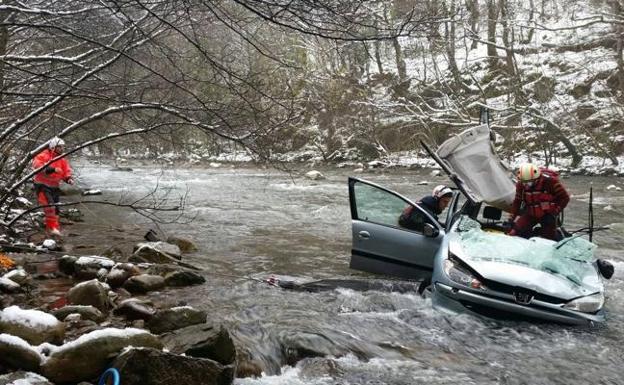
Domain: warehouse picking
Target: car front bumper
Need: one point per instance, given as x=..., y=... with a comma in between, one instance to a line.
x=459, y=300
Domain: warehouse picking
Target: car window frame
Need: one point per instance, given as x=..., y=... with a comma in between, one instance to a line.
x=354, y=214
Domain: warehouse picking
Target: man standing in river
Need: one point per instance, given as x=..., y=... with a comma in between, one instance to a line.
x=47, y=182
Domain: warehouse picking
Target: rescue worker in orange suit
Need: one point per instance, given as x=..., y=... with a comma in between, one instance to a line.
x=47, y=182
x=540, y=197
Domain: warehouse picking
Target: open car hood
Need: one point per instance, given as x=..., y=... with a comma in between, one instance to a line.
x=471, y=156
x=563, y=270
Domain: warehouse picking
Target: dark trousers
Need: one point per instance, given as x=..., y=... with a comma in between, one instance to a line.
x=523, y=226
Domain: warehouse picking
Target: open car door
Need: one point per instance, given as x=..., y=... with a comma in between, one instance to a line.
x=380, y=244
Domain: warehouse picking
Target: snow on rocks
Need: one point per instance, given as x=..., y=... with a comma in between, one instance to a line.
x=422, y=183
x=8, y=286
x=90, y=267
x=17, y=353
x=24, y=378
x=33, y=326
x=314, y=175
x=120, y=273
x=613, y=187
x=49, y=244
x=89, y=355
x=18, y=276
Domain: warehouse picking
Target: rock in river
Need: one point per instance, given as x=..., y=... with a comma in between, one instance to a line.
x=34, y=326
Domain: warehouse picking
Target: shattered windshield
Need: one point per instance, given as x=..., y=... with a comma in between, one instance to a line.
x=568, y=258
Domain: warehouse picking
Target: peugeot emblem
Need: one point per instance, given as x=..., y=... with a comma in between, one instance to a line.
x=523, y=298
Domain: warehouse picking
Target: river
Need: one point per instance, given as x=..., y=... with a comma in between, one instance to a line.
x=251, y=223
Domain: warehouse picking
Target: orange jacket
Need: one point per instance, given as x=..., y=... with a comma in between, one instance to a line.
x=547, y=196
x=64, y=172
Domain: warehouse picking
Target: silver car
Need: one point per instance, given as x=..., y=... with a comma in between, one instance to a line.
x=472, y=266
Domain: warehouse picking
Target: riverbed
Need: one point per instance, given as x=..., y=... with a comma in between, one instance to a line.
x=251, y=223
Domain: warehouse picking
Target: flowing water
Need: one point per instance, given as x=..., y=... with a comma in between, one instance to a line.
x=251, y=223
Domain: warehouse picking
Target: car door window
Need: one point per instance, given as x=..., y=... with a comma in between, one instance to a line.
x=383, y=207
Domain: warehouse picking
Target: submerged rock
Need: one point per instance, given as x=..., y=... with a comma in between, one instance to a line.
x=183, y=278
x=34, y=326
x=149, y=366
x=88, y=356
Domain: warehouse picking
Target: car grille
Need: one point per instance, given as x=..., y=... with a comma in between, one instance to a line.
x=511, y=290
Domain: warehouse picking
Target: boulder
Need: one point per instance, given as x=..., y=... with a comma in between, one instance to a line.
x=183, y=278
x=314, y=175
x=144, y=283
x=156, y=252
x=86, y=312
x=8, y=286
x=16, y=353
x=23, y=378
x=134, y=309
x=150, y=366
x=94, y=293
x=176, y=318
x=120, y=273
x=89, y=355
x=34, y=326
x=89, y=267
x=202, y=341
x=186, y=245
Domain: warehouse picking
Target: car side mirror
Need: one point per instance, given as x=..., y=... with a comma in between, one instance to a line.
x=430, y=230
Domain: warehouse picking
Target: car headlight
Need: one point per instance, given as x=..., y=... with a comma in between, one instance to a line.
x=461, y=275
x=588, y=304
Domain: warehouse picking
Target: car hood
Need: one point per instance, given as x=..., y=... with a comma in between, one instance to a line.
x=563, y=270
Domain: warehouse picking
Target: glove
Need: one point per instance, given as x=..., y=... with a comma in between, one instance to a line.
x=69, y=180
x=50, y=170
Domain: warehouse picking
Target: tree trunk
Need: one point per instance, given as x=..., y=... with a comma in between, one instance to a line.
x=449, y=29
x=531, y=32
x=473, y=8
x=507, y=40
x=492, y=7
x=400, y=61
x=378, y=56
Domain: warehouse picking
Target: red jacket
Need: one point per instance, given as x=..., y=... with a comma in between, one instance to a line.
x=55, y=178
x=547, y=196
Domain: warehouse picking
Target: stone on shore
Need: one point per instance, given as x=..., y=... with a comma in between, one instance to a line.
x=89, y=355
x=150, y=366
x=156, y=252
x=94, y=293
x=86, y=312
x=16, y=353
x=144, y=283
x=19, y=276
x=67, y=264
x=120, y=273
x=314, y=175
x=134, y=309
x=34, y=326
x=185, y=244
x=176, y=318
x=89, y=267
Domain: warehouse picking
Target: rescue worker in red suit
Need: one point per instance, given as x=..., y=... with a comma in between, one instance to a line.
x=540, y=197
x=47, y=182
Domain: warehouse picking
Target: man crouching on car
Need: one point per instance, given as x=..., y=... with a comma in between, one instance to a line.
x=540, y=197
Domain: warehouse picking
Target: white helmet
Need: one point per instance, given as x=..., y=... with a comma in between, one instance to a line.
x=441, y=191
x=55, y=142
